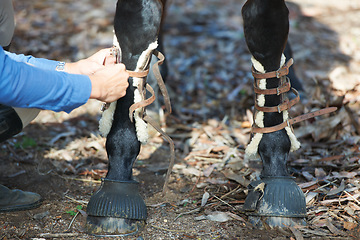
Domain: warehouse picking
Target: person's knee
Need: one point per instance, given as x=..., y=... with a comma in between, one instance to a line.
x=7, y=22
x=10, y=122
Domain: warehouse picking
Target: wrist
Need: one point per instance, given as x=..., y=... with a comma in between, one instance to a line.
x=60, y=67
x=68, y=68
x=95, y=90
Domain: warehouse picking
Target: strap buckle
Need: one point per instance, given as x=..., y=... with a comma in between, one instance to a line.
x=277, y=73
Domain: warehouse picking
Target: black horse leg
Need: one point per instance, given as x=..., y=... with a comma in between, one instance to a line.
x=275, y=196
x=117, y=207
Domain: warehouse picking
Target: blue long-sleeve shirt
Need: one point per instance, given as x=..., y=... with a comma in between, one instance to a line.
x=40, y=86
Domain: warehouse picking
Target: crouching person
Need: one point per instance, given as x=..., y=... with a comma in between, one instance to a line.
x=29, y=84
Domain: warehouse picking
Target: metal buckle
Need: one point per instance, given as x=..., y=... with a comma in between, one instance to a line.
x=116, y=52
x=278, y=73
x=104, y=106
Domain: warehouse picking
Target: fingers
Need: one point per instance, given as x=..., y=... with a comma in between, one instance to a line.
x=121, y=81
x=109, y=60
x=100, y=56
x=110, y=83
x=122, y=67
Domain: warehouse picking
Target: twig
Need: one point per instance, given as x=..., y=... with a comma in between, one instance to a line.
x=331, y=158
x=298, y=235
x=228, y=193
x=352, y=197
x=72, y=221
x=166, y=229
x=330, y=201
x=80, y=179
x=58, y=235
x=157, y=205
x=190, y=212
x=224, y=202
x=323, y=186
x=197, y=181
x=77, y=201
x=17, y=158
x=39, y=171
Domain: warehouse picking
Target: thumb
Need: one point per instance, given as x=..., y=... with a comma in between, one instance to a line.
x=109, y=60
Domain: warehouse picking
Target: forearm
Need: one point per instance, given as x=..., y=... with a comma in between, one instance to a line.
x=57, y=91
x=27, y=86
x=37, y=62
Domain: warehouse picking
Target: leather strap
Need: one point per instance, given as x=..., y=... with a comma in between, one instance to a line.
x=142, y=103
x=160, y=83
x=283, y=106
x=292, y=121
x=140, y=74
x=283, y=71
x=160, y=80
x=285, y=87
x=150, y=121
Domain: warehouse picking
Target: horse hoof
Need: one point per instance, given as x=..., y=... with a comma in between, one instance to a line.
x=116, y=209
x=110, y=226
x=282, y=222
x=276, y=202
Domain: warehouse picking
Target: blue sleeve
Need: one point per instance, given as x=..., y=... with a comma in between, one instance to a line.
x=26, y=86
x=37, y=62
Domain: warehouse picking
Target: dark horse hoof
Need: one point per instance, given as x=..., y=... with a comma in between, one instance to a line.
x=116, y=209
x=275, y=201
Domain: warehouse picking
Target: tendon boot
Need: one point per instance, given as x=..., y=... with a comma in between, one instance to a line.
x=17, y=200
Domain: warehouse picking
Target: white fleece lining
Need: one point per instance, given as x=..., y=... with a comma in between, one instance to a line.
x=295, y=144
x=252, y=149
x=106, y=120
x=107, y=117
x=140, y=124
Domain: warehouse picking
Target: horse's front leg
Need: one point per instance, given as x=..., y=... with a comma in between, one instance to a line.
x=117, y=207
x=275, y=197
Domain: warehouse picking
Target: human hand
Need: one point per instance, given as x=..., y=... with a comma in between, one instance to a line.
x=91, y=64
x=110, y=83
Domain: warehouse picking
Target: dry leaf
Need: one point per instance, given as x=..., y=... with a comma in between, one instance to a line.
x=350, y=225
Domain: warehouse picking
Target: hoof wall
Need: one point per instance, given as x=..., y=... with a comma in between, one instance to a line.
x=282, y=222
x=116, y=209
x=275, y=201
x=111, y=226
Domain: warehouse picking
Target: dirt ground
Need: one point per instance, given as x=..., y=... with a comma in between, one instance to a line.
x=62, y=156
